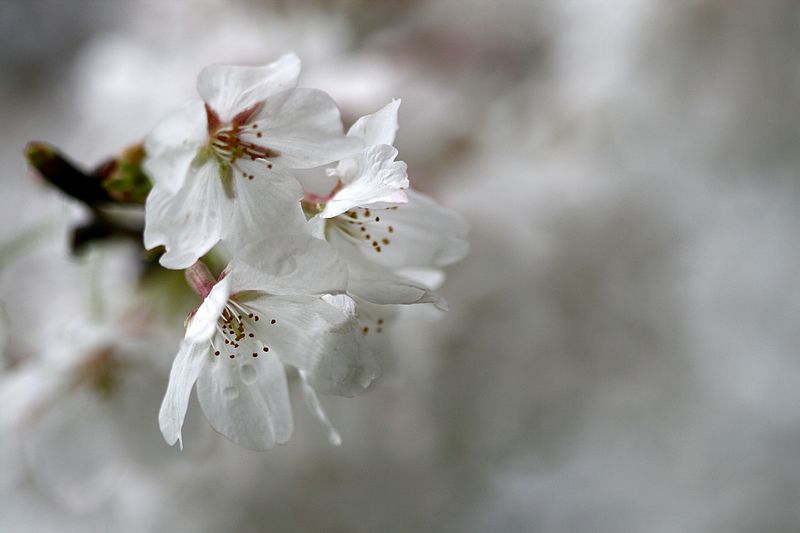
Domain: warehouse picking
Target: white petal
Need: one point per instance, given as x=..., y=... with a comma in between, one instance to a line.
x=433, y=278
x=231, y=89
x=343, y=303
x=371, y=177
x=386, y=288
x=186, y=367
x=304, y=126
x=266, y=204
x=189, y=221
x=204, y=322
x=377, y=283
x=424, y=234
x=379, y=127
x=247, y=400
x=288, y=264
x=316, y=226
x=314, y=405
x=313, y=336
x=172, y=145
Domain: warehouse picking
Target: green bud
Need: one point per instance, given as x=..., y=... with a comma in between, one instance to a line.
x=124, y=179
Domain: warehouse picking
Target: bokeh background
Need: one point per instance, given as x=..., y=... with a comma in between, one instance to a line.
x=621, y=353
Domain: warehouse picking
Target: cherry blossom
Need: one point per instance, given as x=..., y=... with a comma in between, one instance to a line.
x=222, y=166
x=382, y=229
x=267, y=311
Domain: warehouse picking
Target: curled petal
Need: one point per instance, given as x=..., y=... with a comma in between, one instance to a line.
x=372, y=178
x=204, y=322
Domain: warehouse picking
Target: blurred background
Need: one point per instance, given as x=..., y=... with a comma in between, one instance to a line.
x=621, y=351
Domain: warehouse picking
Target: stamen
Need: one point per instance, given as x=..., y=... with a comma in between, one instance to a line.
x=230, y=147
x=236, y=323
x=370, y=228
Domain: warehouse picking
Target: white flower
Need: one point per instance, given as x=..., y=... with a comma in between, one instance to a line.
x=85, y=390
x=382, y=229
x=221, y=165
x=268, y=311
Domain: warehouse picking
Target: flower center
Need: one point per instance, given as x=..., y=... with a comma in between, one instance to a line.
x=236, y=333
x=232, y=143
x=101, y=371
x=365, y=228
x=236, y=141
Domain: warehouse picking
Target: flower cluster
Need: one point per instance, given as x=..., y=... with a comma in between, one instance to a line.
x=310, y=275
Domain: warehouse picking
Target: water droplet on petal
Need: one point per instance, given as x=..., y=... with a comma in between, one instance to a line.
x=248, y=373
x=288, y=266
x=230, y=393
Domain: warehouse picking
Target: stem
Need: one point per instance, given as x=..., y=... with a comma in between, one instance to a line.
x=200, y=279
x=57, y=170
